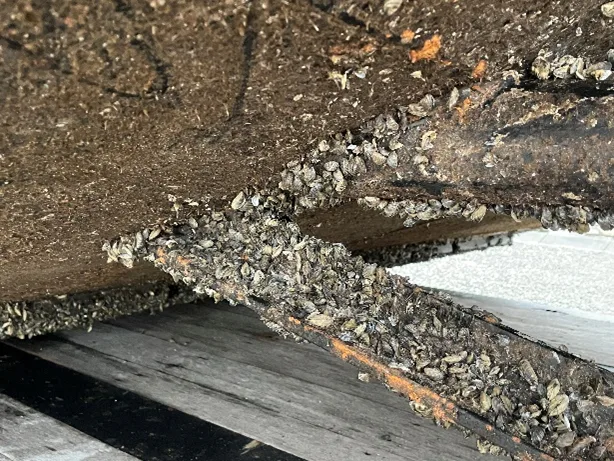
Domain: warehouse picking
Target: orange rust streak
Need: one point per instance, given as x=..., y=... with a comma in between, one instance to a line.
x=480, y=69
x=492, y=319
x=443, y=410
x=183, y=261
x=429, y=50
x=294, y=321
x=407, y=36
x=463, y=109
x=161, y=255
x=369, y=48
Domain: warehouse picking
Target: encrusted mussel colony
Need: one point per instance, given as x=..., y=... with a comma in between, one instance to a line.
x=400, y=255
x=255, y=254
x=25, y=319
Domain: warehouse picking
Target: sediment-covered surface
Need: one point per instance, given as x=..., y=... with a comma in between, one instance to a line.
x=116, y=113
x=204, y=134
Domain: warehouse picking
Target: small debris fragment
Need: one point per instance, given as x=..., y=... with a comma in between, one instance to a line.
x=541, y=68
x=392, y=6
x=608, y=9
x=320, y=320
x=480, y=70
x=454, y=95
x=364, y=377
x=571, y=196
x=250, y=446
x=429, y=50
x=361, y=73
x=340, y=79
x=407, y=36
x=463, y=109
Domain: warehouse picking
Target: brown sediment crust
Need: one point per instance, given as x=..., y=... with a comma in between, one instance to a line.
x=363, y=229
x=109, y=108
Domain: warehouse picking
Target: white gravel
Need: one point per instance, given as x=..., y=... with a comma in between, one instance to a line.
x=562, y=271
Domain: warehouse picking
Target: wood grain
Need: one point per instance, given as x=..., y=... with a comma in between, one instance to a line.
x=27, y=435
x=225, y=367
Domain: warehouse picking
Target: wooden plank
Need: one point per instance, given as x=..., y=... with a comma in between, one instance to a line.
x=589, y=338
x=27, y=435
x=269, y=402
x=217, y=330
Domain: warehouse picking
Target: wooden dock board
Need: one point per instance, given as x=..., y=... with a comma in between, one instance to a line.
x=221, y=364
x=27, y=435
x=589, y=338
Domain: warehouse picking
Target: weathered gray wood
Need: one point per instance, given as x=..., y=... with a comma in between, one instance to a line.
x=289, y=396
x=218, y=329
x=27, y=435
x=589, y=338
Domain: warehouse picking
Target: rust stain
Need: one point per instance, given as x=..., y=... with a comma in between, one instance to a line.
x=294, y=320
x=443, y=410
x=463, y=109
x=480, y=69
x=161, y=256
x=529, y=457
x=368, y=49
x=183, y=261
x=337, y=53
x=429, y=50
x=407, y=36
x=492, y=319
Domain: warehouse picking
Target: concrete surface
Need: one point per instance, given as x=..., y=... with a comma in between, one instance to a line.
x=559, y=270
